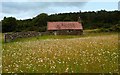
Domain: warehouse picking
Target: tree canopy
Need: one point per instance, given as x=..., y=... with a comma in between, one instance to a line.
x=90, y=20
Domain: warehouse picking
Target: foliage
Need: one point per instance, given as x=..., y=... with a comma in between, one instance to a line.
x=9, y=24
x=90, y=20
x=115, y=28
x=40, y=20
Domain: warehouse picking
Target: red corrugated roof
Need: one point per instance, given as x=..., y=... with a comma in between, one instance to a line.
x=64, y=25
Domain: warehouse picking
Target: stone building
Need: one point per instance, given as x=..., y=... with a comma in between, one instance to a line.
x=65, y=28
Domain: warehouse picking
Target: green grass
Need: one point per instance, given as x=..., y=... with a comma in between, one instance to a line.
x=89, y=53
x=0, y=52
x=87, y=33
x=47, y=37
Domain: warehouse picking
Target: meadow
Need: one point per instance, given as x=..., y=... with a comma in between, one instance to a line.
x=89, y=53
x=0, y=52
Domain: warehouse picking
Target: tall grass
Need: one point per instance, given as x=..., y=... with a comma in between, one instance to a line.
x=96, y=54
x=0, y=52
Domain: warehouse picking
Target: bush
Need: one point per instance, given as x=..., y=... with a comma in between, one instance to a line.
x=104, y=30
x=115, y=28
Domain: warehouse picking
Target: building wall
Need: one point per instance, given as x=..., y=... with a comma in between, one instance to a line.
x=66, y=32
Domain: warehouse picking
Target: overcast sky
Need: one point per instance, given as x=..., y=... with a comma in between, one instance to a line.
x=24, y=9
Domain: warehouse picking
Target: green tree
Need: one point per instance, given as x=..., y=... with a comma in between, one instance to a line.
x=67, y=18
x=9, y=24
x=41, y=20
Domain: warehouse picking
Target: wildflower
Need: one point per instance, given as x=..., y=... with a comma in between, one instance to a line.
x=66, y=70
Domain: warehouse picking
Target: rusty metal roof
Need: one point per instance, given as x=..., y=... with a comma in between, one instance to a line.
x=64, y=26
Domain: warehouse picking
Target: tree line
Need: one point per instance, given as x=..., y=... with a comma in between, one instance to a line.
x=104, y=20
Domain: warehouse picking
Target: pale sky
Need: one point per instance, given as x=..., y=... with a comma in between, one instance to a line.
x=59, y=0
x=24, y=9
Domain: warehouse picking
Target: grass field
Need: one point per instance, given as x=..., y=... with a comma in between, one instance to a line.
x=0, y=52
x=89, y=53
